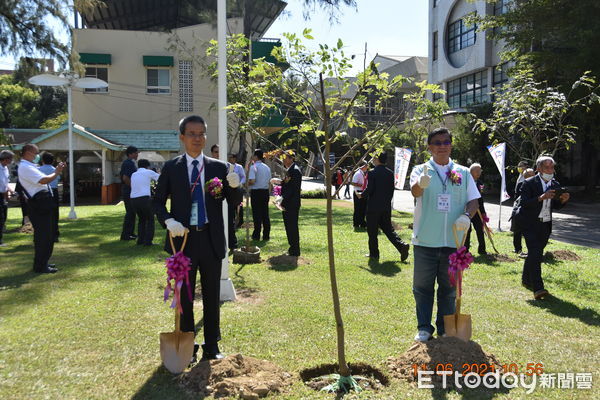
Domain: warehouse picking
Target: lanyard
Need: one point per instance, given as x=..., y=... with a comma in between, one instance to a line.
x=444, y=181
x=197, y=179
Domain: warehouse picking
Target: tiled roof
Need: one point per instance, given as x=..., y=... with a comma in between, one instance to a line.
x=143, y=140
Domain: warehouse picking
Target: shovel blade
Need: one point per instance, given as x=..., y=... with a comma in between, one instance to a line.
x=463, y=327
x=176, y=350
x=450, y=325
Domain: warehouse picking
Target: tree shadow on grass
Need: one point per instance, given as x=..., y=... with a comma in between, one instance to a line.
x=567, y=309
x=386, y=268
x=163, y=385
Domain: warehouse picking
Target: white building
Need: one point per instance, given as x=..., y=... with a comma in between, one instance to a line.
x=465, y=63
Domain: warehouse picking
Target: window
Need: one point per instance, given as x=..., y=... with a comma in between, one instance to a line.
x=435, y=45
x=186, y=89
x=158, y=81
x=467, y=90
x=437, y=96
x=97, y=72
x=460, y=36
x=500, y=7
x=500, y=74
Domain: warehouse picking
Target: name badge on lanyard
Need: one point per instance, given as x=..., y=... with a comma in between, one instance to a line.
x=443, y=202
x=194, y=214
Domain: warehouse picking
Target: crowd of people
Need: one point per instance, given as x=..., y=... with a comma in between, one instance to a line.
x=447, y=200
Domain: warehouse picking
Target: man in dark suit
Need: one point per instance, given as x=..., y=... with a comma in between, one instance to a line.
x=128, y=167
x=379, y=194
x=197, y=209
x=290, y=204
x=476, y=221
x=535, y=218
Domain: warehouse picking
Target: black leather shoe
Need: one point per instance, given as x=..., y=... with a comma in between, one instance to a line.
x=128, y=237
x=47, y=270
x=404, y=251
x=211, y=352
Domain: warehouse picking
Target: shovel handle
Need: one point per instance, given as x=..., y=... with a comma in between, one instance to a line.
x=177, y=320
x=182, y=245
x=456, y=241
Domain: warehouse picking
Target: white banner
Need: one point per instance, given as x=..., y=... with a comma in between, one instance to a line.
x=498, y=153
x=401, y=166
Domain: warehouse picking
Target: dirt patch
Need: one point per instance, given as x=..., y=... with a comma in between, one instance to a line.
x=366, y=376
x=248, y=296
x=565, y=255
x=500, y=257
x=443, y=354
x=236, y=376
x=27, y=228
x=285, y=260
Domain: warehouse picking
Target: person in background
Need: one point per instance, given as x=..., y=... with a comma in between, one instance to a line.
x=338, y=179
x=446, y=199
x=6, y=157
x=22, y=198
x=359, y=181
x=214, y=151
x=521, y=167
x=348, y=180
x=379, y=193
x=259, y=177
x=47, y=159
x=538, y=199
x=290, y=203
x=141, y=201
x=476, y=221
x=514, y=227
x=41, y=207
x=236, y=213
x=127, y=169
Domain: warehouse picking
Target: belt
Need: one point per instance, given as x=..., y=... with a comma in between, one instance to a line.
x=196, y=228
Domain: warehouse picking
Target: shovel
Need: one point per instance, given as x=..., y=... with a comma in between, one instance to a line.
x=176, y=348
x=457, y=324
x=488, y=232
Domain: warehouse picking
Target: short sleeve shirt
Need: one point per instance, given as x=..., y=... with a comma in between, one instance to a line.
x=30, y=176
x=140, y=182
x=261, y=174
x=359, y=177
x=127, y=168
x=48, y=170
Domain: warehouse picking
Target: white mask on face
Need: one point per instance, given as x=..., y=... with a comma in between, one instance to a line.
x=547, y=177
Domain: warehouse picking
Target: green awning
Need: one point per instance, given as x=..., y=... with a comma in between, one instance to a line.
x=158, y=61
x=95, y=58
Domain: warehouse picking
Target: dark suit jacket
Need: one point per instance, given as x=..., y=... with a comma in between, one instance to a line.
x=380, y=189
x=530, y=206
x=291, y=188
x=174, y=183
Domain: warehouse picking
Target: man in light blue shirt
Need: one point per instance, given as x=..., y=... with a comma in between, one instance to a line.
x=47, y=160
x=259, y=177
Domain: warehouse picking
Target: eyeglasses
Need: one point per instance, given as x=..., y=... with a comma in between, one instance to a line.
x=195, y=135
x=440, y=143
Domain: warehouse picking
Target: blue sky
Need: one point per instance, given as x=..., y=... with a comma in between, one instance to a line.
x=390, y=27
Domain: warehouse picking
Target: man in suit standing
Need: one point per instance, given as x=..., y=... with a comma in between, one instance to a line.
x=535, y=218
x=198, y=210
x=476, y=221
x=41, y=206
x=290, y=203
x=128, y=167
x=379, y=194
x=47, y=168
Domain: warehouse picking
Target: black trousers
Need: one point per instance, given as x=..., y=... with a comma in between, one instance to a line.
x=42, y=219
x=128, y=220
x=232, y=239
x=290, y=220
x=204, y=260
x=24, y=206
x=478, y=225
x=3, y=214
x=143, y=209
x=347, y=192
x=381, y=220
x=360, y=208
x=56, y=211
x=536, y=237
x=259, y=200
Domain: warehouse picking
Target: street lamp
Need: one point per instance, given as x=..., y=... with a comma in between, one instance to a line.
x=69, y=80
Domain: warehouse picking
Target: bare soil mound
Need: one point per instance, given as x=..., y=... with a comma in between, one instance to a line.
x=566, y=255
x=285, y=260
x=27, y=228
x=443, y=354
x=367, y=377
x=500, y=257
x=236, y=376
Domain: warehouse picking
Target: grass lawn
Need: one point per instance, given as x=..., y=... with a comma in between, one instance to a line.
x=91, y=330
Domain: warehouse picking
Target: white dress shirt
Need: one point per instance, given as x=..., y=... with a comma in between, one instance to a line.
x=358, y=177
x=140, y=182
x=4, y=175
x=30, y=176
x=190, y=168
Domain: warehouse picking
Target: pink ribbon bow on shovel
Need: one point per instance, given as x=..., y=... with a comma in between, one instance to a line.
x=178, y=267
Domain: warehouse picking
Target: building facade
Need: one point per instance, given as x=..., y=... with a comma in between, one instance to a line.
x=464, y=62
